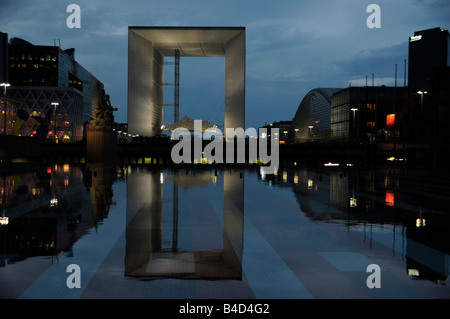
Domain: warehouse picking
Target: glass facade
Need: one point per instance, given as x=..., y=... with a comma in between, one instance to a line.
x=340, y=115
x=32, y=65
x=359, y=113
x=312, y=119
x=66, y=122
x=428, y=49
x=42, y=75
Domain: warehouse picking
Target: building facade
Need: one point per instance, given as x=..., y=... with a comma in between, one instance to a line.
x=428, y=50
x=283, y=131
x=312, y=119
x=147, y=48
x=367, y=114
x=66, y=124
x=44, y=77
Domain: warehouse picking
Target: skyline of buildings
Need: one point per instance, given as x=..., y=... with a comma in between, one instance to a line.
x=384, y=114
x=366, y=114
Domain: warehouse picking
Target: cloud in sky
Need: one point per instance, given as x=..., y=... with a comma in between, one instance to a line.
x=292, y=46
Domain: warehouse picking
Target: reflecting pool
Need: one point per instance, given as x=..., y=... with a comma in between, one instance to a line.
x=163, y=233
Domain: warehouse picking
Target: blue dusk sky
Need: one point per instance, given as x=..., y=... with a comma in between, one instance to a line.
x=291, y=46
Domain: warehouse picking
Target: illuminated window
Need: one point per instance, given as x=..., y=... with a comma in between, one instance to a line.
x=390, y=119
x=371, y=124
x=389, y=198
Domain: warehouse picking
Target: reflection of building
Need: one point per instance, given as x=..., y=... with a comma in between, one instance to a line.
x=42, y=75
x=368, y=203
x=155, y=242
x=47, y=212
x=312, y=119
x=428, y=50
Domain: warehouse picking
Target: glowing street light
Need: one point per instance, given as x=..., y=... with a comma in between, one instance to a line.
x=354, y=111
x=5, y=85
x=421, y=99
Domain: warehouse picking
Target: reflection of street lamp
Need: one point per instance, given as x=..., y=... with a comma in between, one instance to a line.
x=4, y=220
x=5, y=85
x=421, y=99
x=55, y=105
x=354, y=111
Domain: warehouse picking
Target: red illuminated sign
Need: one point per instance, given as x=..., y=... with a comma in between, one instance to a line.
x=390, y=119
x=389, y=198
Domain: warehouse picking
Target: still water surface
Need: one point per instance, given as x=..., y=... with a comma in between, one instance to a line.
x=137, y=232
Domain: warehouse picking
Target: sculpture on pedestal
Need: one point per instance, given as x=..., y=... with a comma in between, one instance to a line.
x=103, y=116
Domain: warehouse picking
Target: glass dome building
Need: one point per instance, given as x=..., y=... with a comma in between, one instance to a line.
x=312, y=119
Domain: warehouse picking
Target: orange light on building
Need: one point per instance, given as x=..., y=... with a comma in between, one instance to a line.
x=389, y=199
x=390, y=119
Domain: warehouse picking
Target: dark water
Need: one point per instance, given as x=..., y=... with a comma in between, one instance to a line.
x=142, y=232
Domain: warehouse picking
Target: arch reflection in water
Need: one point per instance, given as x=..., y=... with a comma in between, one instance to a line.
x=147, y=253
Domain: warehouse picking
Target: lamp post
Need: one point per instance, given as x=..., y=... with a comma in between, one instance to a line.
x=354, y=111
x=55, y=105
x=310, y=127
x=421, y=100
x=5, y=85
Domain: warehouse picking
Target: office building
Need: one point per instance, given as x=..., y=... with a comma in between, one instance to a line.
x=312, y=119
x=3, y=57
x=428, y=50
x=42, y=77
x=367, y=114
x=283, y=131
x=147, y=47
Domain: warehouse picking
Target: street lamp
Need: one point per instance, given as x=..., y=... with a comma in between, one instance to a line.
x=5, y=85
x=55, y=105
x=354, y=111
x=421, y=99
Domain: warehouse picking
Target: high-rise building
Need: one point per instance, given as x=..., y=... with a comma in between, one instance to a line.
x=3, y=57
x=367, y=114
x=428, y=50
x=42, y=77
